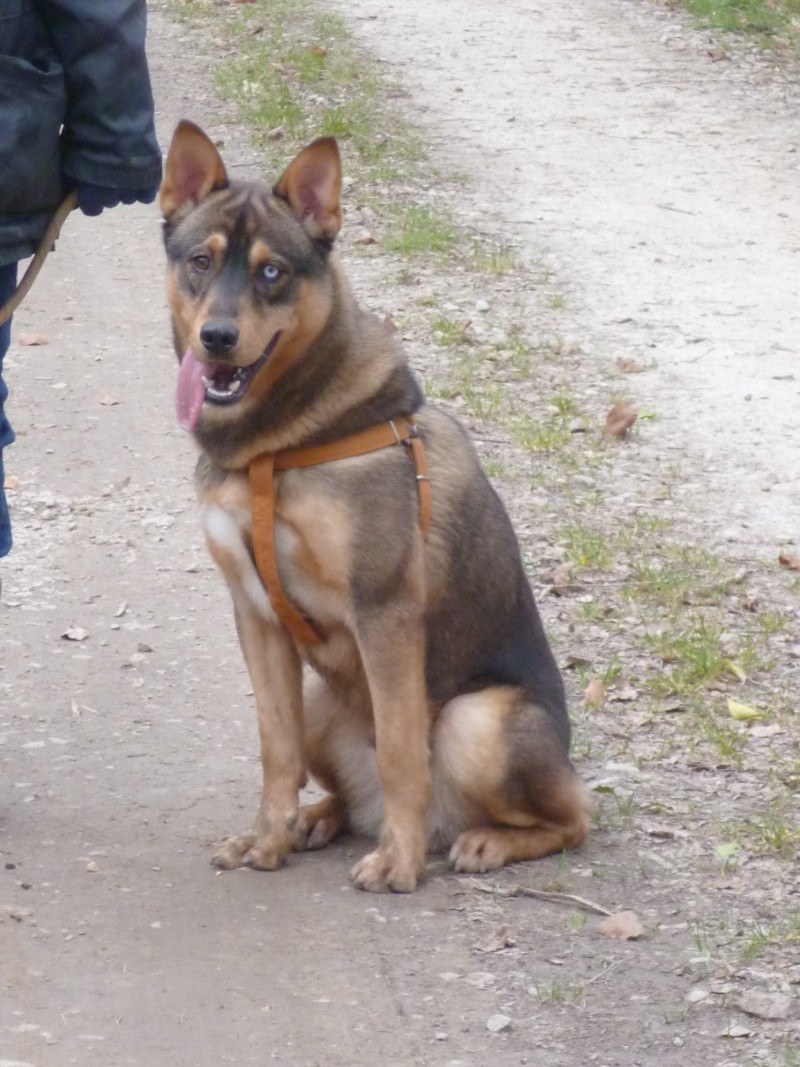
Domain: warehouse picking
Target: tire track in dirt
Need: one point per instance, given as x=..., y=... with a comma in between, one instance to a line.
x=661, y=187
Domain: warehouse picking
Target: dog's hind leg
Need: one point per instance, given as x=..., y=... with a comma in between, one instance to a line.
x=317, y=824
x=340, y=755
x=501, y=770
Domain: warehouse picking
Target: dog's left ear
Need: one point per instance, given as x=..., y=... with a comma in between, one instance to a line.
x=312, y=186
x=193, y=168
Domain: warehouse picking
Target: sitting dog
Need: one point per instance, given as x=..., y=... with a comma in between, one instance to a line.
x=358, y=535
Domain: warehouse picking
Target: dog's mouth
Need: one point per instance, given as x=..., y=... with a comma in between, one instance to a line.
x=213, y=382
x=225, y=384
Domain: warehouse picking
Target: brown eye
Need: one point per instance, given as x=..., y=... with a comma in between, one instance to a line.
x=201, y=263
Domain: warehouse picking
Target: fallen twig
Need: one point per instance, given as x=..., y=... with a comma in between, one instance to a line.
x=540, y=894
x=603, y=973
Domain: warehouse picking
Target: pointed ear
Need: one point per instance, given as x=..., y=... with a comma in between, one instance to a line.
x=312, y=186
x=192, y=170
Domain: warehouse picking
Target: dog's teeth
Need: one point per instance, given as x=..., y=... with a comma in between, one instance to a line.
x=235, y=385
x=207, y=382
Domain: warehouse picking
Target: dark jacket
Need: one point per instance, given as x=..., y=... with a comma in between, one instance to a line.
x=75, y=106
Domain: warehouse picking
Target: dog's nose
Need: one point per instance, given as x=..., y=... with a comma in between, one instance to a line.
x=219, y=336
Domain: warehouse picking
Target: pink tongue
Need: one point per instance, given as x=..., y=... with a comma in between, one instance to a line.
x=191, y=392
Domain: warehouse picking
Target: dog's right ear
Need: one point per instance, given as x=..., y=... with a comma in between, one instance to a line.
x=193, y=168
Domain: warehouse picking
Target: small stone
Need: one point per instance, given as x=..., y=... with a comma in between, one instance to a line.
x=765, y=1005
x=91, y=867
x=441, y=1036
x=694, y=996
x=735, y=1030
x=482, y=306
x=623, y=926
x=496, y=1024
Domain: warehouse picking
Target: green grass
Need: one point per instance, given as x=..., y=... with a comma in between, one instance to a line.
x=539, y=435
x=586, y=548
x=671, y=574
x=302, y=74
x=448, y=332
x=416, y=229
x=692, y=656
x=761, y=936
x=764, y=19
x=496, y=261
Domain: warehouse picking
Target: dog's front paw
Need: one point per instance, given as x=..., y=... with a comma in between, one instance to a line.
x=247, y=850
x=479, y=850
x=383, y=872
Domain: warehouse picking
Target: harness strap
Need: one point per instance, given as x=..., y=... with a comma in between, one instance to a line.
x=262, y=484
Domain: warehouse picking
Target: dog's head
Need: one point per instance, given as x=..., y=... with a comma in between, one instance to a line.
x=249, y=281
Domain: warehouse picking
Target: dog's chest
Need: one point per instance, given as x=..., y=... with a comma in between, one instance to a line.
x=311, y=549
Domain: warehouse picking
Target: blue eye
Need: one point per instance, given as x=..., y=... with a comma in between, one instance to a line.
x=270, y=273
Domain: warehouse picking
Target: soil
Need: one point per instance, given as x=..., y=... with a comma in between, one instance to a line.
x=654, y=175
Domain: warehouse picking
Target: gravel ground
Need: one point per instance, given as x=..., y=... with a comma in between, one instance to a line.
x=646, y=182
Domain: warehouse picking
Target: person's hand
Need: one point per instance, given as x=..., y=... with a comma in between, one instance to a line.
x=93, y=198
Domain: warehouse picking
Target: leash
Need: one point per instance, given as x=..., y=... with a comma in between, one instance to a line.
x=262, y=483
x=49, y=238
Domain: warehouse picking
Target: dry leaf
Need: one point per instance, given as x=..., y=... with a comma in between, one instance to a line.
x=743, y=712
x=318, y=50
x=624, y=926
x=737, y=671
x=595, y=694
x=561, y=578
x=74, y=633
x=109, y=400
x=625, y=696
x=275, y=134
x=791, y=563
x=575, y=659
x=11, y=482
x=620, y=419
x=630, y=366
x=31, y=338
x=500, y=939
x=364, y=239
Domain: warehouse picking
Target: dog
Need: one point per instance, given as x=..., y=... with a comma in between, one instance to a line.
x=433, y=713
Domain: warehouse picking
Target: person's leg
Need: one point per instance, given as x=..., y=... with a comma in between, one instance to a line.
x=8, y=281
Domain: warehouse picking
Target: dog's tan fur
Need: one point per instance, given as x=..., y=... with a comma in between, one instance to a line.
x=433, y=714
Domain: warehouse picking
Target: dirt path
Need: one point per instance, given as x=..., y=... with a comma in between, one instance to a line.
x=124, y=754
x=661, y=183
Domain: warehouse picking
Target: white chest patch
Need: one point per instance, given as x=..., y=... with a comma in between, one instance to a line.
x=226, y=530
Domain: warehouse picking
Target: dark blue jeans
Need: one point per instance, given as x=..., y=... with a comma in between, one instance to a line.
x=8, y=281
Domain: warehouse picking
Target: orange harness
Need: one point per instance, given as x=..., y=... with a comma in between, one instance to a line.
x=262, y=483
